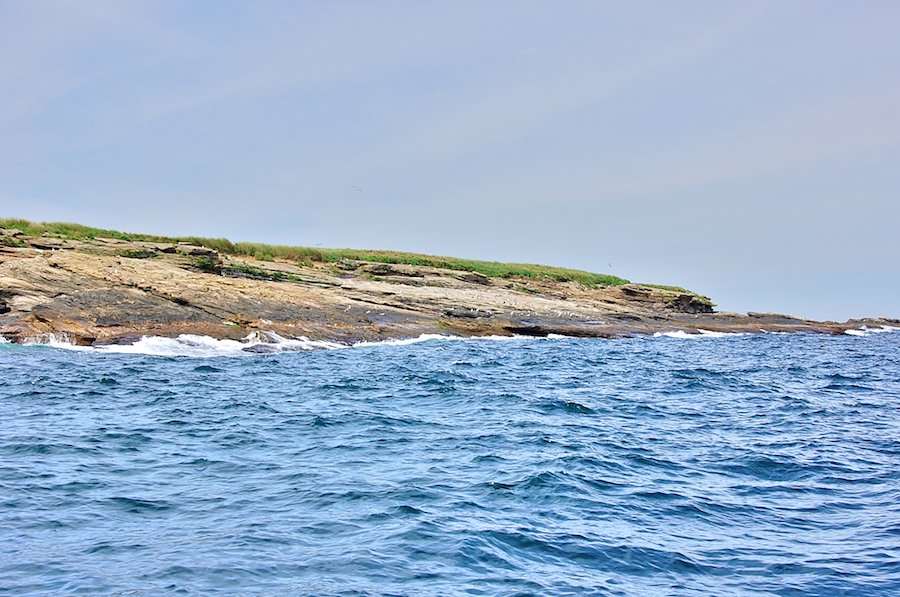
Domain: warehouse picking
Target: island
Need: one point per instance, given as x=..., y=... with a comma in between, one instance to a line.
x=93, y=287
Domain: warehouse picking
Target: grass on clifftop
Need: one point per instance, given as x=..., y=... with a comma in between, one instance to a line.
x=73, y=231
x=301, y=255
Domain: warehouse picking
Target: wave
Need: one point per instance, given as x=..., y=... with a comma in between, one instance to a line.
x=56, y=340
x=681, y=334
x=268, y=342
x=191, y=345
x=260, y=342
x=406, y=341
x=867, y=331
x=206, y=346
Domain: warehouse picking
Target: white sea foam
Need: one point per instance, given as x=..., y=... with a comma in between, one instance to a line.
x=867, y=331
x=3, y=339
x=443, y=337
x=270, y=342
x=56, y=340
x=205, y=346
x=430, y=337
x=191, y=345
x=681, y=334
x=495, y=338
x=405, y=341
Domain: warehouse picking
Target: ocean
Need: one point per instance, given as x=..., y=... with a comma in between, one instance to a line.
x=709, y=465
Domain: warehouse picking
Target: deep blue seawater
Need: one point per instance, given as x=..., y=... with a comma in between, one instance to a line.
x=749, y=465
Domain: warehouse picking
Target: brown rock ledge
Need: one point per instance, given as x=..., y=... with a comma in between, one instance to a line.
x=106, y=291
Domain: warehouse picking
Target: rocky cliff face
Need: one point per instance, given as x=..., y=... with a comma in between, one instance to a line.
x=107, y=290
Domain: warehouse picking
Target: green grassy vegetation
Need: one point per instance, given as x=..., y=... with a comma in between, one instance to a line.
x=521, y=288
x=491, y=269
x=258, y=273
x=306, y=255
x=139, y=254
x=73, y=231
x=8, y=241
x=671, y=293
x=205, y=264
x=669, y=288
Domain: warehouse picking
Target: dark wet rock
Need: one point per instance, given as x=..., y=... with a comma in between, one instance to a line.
x=692, y=303
x=261, y=348
x=386, y=269
x=5, y=295
x=381, y=269
x=126, y=340
x=474, y=278
x=467, y=313
x=627, y=317
x=771, y=316
x=635, y=290
x=527, y=330
x=162, y=247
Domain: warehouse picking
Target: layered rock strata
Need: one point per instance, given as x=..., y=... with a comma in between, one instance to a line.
x=107, y=290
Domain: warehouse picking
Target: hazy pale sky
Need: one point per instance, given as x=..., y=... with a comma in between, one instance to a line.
x=749, y=151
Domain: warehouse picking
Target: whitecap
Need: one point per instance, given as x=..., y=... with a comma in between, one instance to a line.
x=183, y=345
x=681, y=334
x=257, y=342
x=496, y=338
x=443, y=337
x=866, y=330
x=406, y=341
x=290, y=344
x=192, y=345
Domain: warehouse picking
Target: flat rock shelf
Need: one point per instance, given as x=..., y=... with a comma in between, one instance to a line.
x=106, y=290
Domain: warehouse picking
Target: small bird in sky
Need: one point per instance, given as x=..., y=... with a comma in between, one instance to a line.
x=357, y=188
x=610, y=265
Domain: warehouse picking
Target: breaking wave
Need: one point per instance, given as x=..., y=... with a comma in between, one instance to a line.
x=56, y=340
x=867, y=331
x=206, y=346
x=681, y=334
x=260, y=342
x=268, y=342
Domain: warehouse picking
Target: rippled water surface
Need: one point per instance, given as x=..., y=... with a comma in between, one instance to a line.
x=751, y=465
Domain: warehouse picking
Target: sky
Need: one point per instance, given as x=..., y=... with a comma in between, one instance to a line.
x=749, y=151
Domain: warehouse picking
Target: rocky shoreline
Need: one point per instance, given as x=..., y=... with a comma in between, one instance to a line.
x=107, y=290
